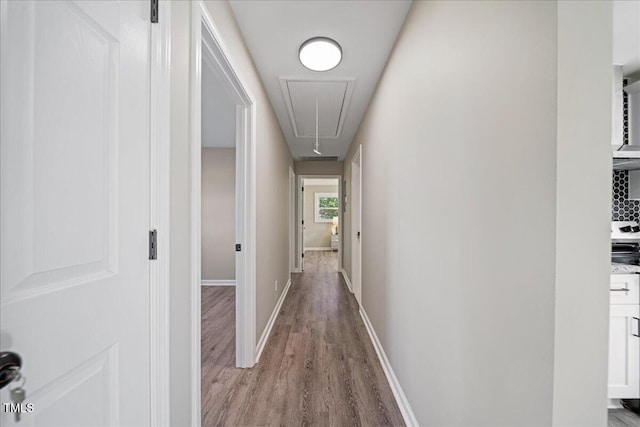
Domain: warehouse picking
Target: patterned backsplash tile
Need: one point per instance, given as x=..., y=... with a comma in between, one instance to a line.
x=623, y=209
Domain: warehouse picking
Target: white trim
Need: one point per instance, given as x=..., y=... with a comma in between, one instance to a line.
x=300, y=214
x=272, y=320
x=318, y=248
x=245, y=196
x=296, y=270
x=356, y=243
x=217, y=282
x=160, y=146
x=407, y=413
x=346, y=280
x=292, y=220
x=316, y=206
x=614, y=404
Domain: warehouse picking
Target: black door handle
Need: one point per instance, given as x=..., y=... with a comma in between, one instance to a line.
x=10, y=362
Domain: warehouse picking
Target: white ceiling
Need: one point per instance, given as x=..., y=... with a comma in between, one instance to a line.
x=274, y=31
x=218, y=112
x=626, y=35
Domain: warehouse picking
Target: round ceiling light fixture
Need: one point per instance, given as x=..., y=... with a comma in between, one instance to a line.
x=320, y=54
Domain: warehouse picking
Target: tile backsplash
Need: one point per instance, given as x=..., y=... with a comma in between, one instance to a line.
x=623, y=209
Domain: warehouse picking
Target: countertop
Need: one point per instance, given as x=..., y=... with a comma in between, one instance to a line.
x=624, y=268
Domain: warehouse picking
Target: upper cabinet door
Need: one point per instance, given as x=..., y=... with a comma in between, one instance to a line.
x=74, y=269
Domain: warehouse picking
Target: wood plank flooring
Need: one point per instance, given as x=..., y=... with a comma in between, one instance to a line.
x=320, y=261
x=623, y=418
x=318, y=368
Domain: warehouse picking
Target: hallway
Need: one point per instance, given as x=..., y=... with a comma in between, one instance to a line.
x=318, y=368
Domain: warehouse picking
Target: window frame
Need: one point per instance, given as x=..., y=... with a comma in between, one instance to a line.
x=317, y=208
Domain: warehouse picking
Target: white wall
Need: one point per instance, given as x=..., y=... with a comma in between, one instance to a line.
x=218, y=213
x=273, y=160
x=465, y=200
x=583, y=214
x=316, y=234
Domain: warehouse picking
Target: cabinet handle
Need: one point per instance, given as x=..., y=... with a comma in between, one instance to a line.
x=638, y=325
x=620, y=290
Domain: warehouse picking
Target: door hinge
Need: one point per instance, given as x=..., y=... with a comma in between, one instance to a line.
x=154, y=11
x=153, y=244
x=302, y=188
x=302, y=255
x=238, y=247
x=303, y=222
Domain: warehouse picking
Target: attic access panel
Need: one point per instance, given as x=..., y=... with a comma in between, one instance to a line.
x=333, y=101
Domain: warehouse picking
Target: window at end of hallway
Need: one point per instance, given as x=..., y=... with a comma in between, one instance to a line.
x=326, y=207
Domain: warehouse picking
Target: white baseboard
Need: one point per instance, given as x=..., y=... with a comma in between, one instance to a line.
x=272, y=320
x=296, y=270
x=318, y=248
x=407, y=413
x=347, y=281
x=218, y=282
x=614, y=404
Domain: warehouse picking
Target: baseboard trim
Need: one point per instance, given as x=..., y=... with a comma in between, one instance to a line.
x=296, y=270
x=218, y=282
x=272, y=320
x=318, y=248
x=346, y=280
x=614, y=404
x=407, y=413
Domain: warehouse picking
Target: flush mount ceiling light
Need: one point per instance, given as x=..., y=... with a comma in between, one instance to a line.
x=320, y=54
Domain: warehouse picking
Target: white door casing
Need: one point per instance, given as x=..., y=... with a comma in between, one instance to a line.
x=207, y=44
x=74, y=289
x=300, y=219
x=356, y=224
x=292, y=221
x=301, y=222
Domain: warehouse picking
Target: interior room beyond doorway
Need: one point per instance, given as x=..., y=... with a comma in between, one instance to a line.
x=321, y=214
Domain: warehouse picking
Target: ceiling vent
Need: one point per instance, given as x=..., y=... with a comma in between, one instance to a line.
x=333, y=101
x=319, y=158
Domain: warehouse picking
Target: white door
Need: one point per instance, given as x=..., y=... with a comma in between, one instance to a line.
x=624, y=352
x=292, y=220
x=302, y=225
x=74, y=193
x=356, y=224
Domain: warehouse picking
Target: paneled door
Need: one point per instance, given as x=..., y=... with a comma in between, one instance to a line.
x=74, y=150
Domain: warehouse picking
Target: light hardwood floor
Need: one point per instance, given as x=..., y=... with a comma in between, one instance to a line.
x=320, y=261
x=318, y=368
x=623, y=418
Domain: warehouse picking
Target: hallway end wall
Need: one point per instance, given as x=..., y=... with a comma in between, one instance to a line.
x=273, y=160
x=459, y=149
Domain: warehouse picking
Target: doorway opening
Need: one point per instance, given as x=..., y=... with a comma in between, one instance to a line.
x=223, y=212
x=320, y=222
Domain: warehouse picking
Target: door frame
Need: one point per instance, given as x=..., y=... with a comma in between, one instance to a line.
x=356, y=244
x=300, y=217
x=245, y=196
x=159, y=199
x=292, y=222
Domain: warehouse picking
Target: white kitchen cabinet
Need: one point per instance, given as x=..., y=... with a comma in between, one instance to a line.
x=624, y=344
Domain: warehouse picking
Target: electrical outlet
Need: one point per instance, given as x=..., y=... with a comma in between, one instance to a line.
x=276, y=286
